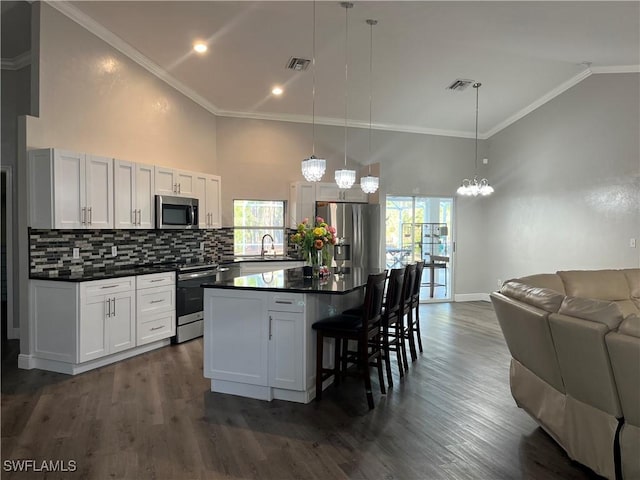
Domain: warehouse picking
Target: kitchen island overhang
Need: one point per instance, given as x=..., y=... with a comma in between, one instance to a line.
x=258, y=340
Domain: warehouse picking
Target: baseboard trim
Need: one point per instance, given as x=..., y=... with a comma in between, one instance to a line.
x=28, y=362
x=25, y=362
x=472, y=297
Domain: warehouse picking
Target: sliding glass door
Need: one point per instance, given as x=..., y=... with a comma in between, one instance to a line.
x=420, y=228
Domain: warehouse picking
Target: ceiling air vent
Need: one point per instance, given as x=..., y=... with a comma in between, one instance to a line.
x=298, y=64
x=459, y=85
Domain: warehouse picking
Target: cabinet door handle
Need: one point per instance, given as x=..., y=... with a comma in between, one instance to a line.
x=156, y=280
x=156, y=328
x=156, y=301
x=175, y=188
x=179, y=188
x=90, y=215
x=114, y=306
x=84, y=215
x=108, y=306
x=285, y=302
x=270, y=321
x=108, y=286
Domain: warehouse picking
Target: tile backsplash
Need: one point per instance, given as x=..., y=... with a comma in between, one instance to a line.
x=52, y=250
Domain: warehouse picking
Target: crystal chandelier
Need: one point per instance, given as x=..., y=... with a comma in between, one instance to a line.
x=345, y=178
x=369, y=184
x=313, y=168
x=475, y=187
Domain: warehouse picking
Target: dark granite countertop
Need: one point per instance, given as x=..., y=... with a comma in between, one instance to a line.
x=258, y=258
x=292, y=280
x=103, y=273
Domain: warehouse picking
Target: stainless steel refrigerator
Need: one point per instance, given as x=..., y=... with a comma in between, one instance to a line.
x=358, y=232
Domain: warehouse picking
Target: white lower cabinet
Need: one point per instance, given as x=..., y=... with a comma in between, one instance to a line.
x=107, y=317
x=253, y=349
x=285, y=350
x=78, y=326
x=156, y=307
x=106, y=324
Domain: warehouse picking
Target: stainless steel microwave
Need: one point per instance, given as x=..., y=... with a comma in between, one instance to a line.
x=176, y=212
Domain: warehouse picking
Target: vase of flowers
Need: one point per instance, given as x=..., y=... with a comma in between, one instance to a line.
x=315, y=241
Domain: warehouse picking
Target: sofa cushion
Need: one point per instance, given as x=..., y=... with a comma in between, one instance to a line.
x=628, y=307
x=633, y=277
x=630, y=326
x=600, y=284
x=544, y=298
x=600, y=311
x=544, y=280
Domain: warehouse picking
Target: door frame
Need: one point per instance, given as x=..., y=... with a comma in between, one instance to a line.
x=12, y=332
x=452, y=242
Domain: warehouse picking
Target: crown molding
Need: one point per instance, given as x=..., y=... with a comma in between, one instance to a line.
x=337, y=122
x=126, y=49
x=617, y=69
x=563, y=87
x=17, y=62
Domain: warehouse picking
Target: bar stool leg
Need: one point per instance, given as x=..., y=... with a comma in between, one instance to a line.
x=336, y=361
x=319, y=344
x=418, y=327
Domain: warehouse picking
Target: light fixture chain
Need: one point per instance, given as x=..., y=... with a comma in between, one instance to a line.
x=313, y=91
x=346, y=74
x=477, y=87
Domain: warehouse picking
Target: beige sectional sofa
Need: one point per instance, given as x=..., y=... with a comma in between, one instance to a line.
x=574, y=338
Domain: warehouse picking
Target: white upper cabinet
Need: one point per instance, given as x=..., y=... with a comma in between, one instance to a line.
x=329, y=192
x=70, y=190
x=134, y=188
x=166, y=183
x=171, y=181
x=207, y=191
x=302, y=202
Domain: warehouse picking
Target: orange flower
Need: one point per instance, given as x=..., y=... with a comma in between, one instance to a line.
x=319, y=244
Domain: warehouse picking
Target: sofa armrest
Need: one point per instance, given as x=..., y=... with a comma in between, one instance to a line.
x=584, y=361
x=526, y=331
x=543, y=298
x=624, y=351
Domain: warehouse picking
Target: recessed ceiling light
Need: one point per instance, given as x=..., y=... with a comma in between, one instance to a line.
x=277, y=90
x=200, y=47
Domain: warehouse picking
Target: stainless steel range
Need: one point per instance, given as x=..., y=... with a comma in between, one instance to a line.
x=190, y=297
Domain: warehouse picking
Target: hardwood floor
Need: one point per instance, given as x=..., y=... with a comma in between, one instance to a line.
x=153, y=416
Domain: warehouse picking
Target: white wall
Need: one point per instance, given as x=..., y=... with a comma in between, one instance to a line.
x=94, y=99
x=567, y=179
x=259, y=158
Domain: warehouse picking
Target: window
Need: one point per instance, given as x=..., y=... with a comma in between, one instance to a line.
x=252, y=220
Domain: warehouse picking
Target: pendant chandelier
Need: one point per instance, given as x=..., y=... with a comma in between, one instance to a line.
x=313, y=168
x=475, y=187
x=369, y=184
x=345, y=178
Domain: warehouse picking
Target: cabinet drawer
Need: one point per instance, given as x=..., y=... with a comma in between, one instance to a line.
x=107, y=287
x=158, y=327
x=156, y=280
x=159, y=299
x=286, y=302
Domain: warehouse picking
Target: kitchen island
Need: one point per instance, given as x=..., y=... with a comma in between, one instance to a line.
x=258, y=340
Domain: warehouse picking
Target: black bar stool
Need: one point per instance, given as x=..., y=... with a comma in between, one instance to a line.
x=365, y=330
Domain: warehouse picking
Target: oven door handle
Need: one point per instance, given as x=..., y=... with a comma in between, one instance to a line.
x=206, y=273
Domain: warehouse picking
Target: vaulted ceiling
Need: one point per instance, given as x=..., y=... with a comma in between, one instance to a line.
x=522, y=52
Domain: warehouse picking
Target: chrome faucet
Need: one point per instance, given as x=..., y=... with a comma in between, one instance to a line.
x=273, y=245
